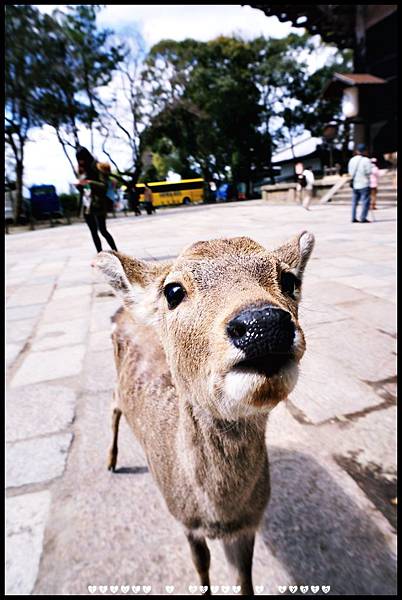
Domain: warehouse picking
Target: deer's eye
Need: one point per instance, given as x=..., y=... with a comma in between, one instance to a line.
x=174, y=294
x=289, y=283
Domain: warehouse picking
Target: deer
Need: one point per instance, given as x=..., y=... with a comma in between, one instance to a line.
x=205, y=346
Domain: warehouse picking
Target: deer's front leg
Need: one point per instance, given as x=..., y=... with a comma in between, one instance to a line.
x=239, y=553
x=201, y=559
x=116, y=414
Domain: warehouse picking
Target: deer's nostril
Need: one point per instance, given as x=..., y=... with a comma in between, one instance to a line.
x=236, y=329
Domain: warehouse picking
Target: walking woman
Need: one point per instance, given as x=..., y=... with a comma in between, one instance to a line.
x=92, y=186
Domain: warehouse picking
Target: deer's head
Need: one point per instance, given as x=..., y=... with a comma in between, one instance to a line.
x=227, y=315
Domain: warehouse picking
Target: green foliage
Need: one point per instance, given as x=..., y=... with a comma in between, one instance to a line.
x=22, y=67
x=76, y=61
x=55, y=66
x=206, y=104
x=226, y=104
x=23, y=64
x=217, y=109
x=149, y=174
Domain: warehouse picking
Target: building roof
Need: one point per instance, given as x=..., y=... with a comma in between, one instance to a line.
x=334, y=22
x=358, y=78
x=341, y=80
x=304, y=145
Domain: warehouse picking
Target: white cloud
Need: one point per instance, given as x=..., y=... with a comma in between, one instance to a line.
x=202, y=22
x=177, y=22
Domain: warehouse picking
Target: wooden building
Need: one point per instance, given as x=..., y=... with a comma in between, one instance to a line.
x=370, y=93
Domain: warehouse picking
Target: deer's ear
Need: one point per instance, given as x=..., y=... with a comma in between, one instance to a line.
x=125, y=274
x=296, y=252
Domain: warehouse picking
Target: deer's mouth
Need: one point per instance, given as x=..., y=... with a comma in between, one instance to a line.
x=268, y=365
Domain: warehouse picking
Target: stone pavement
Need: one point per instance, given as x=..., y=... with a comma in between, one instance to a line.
x=331, y=520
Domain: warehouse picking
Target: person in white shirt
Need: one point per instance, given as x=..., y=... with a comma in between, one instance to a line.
x=304, y=184
x=308, y=190
x=359, y=168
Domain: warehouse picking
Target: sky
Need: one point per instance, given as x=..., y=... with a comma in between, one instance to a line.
x=45, y=161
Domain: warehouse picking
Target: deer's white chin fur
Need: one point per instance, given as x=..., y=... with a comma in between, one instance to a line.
x=240, y=388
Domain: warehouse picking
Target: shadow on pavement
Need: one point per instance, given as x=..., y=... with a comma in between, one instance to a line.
x=318, y=532
x=132, y=470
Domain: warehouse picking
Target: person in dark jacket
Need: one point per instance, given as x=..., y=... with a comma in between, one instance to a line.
x=92, y=185
x=148, y=199
x=134, y=198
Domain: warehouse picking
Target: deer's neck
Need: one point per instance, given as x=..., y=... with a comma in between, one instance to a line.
x=220, y=454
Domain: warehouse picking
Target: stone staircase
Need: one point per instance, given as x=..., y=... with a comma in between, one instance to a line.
x=386, y=194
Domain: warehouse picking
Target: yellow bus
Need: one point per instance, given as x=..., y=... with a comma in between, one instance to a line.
x=165, y=193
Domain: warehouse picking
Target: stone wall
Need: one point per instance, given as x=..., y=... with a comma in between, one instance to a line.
x=285, y=193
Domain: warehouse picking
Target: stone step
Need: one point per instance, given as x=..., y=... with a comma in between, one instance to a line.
x=388, y=197
x=349, y=203
x=386, y=183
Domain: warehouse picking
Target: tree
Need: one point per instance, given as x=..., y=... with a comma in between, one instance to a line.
x=91, y=56
x=314, y=111
x=55, y=68
x=58, y=91
x=212, y=120
x=279, y=72
x=228, y=103
x=23, y=63
x=123, y=118
x=79, y=61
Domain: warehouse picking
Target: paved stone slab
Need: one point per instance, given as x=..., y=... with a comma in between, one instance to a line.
x=366, y=355
x=312, y=313
x=50, y=267
x=19, y=331
x=326, y=390
x=374, y=312
x=38, y=410
x=36, y=460
x=42, y=279
x=69, y=312
x=60, y=334
x=299, y=541
x=15, y=281
x=31, y=294
x=75, y=278
x=49, y=365
x=320, y=524
x=372, y=449
x=350, y=262
x=364, y=282
x=316, y=511
x=79, y=291
x=22, y=267
x=102, y=313
x=26, y=521
x=100, y=371
x=100, y=341
x=12, y=352
x=387, y=292
x=332, y=293
x=77, y=302
x=18, y=313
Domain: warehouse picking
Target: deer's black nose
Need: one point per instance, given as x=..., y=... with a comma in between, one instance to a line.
x=262, y=331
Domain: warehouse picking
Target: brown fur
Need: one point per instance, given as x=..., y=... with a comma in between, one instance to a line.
x=202, y=433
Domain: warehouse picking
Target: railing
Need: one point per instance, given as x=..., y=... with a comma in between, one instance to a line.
x=335, y=188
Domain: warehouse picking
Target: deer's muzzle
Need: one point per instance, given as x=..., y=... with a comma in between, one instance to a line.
x=261, y=332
